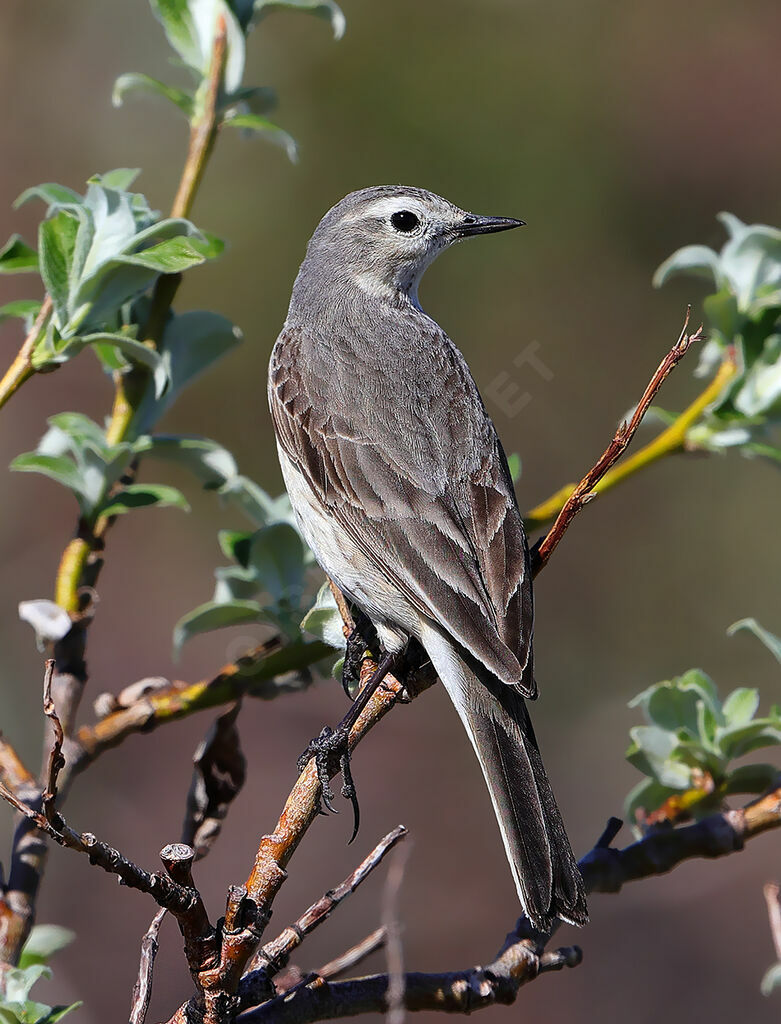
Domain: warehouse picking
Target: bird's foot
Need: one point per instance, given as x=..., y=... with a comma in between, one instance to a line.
x=360, y=644
x=331, y=752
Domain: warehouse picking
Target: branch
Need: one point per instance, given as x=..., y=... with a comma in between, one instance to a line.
x=13, y=772
x=584, y=491
x=55, y=760
x=275, y=955
x=256, y=674
x=354, y=955
x=142, y=990
x=21, y=369
x=169, y=895
x=521, y=958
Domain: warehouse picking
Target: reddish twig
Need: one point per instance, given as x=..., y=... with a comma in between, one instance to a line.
x=584, y=490
x=142, y=990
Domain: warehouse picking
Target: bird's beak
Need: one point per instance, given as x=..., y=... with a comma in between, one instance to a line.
x=472, y=224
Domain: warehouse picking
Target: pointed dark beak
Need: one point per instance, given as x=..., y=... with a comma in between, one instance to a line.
x=474, y=225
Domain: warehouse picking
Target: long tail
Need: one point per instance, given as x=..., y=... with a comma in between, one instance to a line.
x=495, y=717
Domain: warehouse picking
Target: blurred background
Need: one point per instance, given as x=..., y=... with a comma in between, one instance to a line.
x=617, y=132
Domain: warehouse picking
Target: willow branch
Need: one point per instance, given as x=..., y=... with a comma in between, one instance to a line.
x=584, y=491
x=521, y=958
x=21, y=369
x=255, y=674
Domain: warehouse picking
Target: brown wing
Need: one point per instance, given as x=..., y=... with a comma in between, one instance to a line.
x=424, y=493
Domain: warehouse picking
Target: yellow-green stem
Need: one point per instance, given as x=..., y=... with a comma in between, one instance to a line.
x=672, y=439
x=21, y=369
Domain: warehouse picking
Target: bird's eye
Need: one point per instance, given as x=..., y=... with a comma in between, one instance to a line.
x=404, y=220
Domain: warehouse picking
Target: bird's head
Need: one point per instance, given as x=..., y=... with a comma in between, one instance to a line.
x=383, y=238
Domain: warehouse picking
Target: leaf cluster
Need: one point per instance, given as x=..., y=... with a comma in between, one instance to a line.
x=690, y=740
x=744, y=313
x=16, y=1006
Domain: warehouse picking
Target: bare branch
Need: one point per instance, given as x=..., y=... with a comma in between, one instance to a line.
x=56, y=761
x=200, y=938
x=256, y=674
x=169, y=895
x=142, y=990
x=584, y=490
x=273, y=956
x=353, y=956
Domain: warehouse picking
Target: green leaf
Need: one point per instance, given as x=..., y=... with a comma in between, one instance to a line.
x=773, y=643
x=771, y=980
x=761, y=387
x=17, y=257
x=256, y=125
x=192, y=343
x=58, y=1012
x=234, y=584
x=742, y=739
x=277, y=555
x=18, y=981
x=236, y=544
x=57, y=241
x=209, y=461
x=324, y=621
x=672, y=705
x=691, y=259
x=514, y=465
x=43, y=942
x=24, y=309
x=142, y=495
x=211, y=616
x=172, y=256
x=751, y=778
x=135, y=82
x=190, y=26
x=651, y=753
x=740, y=706
x=58, y=468
x=52, y=194
x=120, y=179
x=328, y=10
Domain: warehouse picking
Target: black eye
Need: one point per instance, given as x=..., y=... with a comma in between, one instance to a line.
x=404, y=220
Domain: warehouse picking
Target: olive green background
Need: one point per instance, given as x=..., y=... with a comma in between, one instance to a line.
x=617, y=131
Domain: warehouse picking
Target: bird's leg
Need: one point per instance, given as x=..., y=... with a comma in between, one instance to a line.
x=360, y=643
x=331, y=749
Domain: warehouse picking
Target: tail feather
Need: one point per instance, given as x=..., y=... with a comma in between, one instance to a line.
x=496, y=719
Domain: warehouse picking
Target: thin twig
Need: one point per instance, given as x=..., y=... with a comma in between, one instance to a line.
x=394, y=951
x=167, y=893
x=274, y=956
x=142, y=990
x=772, y=893
x=55, y=761
x=354, y=955
x=584, y=491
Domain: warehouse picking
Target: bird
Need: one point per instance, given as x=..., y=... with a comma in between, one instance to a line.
x=401, y=488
